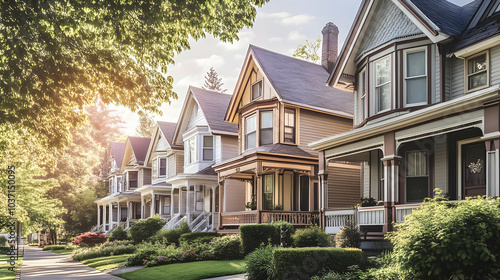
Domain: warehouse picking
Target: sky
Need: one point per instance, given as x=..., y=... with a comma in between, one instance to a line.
x=280, y=26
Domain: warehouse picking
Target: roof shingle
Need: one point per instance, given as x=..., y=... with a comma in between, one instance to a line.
x=214, y=105
x=117, y=149
x=140, y=147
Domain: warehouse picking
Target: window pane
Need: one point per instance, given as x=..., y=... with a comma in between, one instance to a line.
x=289, y=117
x=384, y=97
x=417, y=164
x=208, y=142
x=192, y=151
x=383, y=71
x=256, y=90
x=477, y=64
x=268, y=191
x=266, y=120
x=163, y=166
x=266, y=136
x=154, y=167
x=478, y=80
x=250, y=124
x=416, y=90
x=251, y=140
x=208, y=154
x=415, y=64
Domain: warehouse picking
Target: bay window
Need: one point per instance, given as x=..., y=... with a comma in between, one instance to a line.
x=208, y=148
x=289, y=125
x=382, y=69
x=415, y=73
x=477, y=71
x=132, y=179
x=362, y=95
x=250, y=132
x=162, y=167
x=266, y=128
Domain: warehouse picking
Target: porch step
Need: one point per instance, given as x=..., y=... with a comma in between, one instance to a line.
x=373, y=236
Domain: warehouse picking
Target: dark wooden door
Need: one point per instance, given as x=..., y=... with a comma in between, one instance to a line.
x=474, y=169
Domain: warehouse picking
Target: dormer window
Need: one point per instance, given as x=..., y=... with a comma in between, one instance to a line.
x=250, y=132
x=256, y=90
x=289, y=125
x=162, y=167
x=266, y=128
x=208, y=148
x=415, y=73
x=382, y=69
x=132, y=179
x=477, y=71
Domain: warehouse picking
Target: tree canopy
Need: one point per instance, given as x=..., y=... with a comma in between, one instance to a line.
x=146, y=126
x=57, y=56
x=213, y=82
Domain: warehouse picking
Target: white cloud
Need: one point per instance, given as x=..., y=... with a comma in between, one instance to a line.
x=246, y=37
x=212, y=61
x=276, y=39
x=296, y=36
x=297, y=20
x=273, y=15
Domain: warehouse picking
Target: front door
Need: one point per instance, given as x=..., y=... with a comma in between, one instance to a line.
x=474, y=169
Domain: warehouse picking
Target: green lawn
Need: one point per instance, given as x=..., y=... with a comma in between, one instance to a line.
x=63, y=251
x=188, y=271
x=5, y=273
x=104, y=263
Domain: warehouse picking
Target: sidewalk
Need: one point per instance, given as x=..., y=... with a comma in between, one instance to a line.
x=230, y=277
x=45, y=265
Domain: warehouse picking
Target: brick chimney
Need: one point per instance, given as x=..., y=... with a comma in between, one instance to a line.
x=330, y=46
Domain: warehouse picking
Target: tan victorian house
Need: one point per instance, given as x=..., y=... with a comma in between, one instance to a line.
x=281, y=104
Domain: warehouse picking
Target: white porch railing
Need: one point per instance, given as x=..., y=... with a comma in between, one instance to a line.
x=403, y=210
x=370, y=216
x=178, y=223
x=170, y=224
x=335, y=220
x=201, y=223
x=94, y=228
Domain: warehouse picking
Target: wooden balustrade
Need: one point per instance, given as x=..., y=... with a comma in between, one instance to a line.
x=239, y=218
x=297, y=218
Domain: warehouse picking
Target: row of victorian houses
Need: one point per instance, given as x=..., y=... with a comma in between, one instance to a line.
x=409, y=105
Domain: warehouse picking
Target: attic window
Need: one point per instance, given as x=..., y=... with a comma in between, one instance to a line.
x=477, y=71
x=256, y=90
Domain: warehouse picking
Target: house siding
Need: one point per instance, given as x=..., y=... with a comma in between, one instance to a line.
x=179, y=162
x=344, y=187
x=171, y=166
x=314, y=126
x=495, y=65
x=146, y=176
x=456, y=77
x=440, y=162
x=234, y=197
x=162, y=145
x=197, y=119
x=229, y=147
x=388, y=22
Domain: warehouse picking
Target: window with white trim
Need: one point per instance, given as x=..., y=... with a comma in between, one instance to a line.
x=250, y=132
x=477, y=71
x=256, y=90
x=289, y=125
x=154, y=168
x=415, y=77
x=382, y=84
x=362, y=95
x=208, y=148
x=191, y=149
x=417, y=176
x=162, y=167
x=266, y=128
x=132, y=179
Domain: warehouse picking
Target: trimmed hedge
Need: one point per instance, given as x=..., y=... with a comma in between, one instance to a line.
x=303, y=263
x=54, y=247
x=118, y=234
x=197, y=236
x=226, y=247
x=252, y=236
x=143, y=229
x=171, y=236
x=311, y=237
x=108, y=251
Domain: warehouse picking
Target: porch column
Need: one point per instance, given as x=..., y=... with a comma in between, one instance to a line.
x=492, y=167
x=153, y=204
x=119, y=214
x=142, y=207
x=110, y=215
x=213, y=207
x=221, y=202
x=129, y=213
x=104, y=225
x=391, y=189
x=172, y=203
x=188, y=208
x=180, y=200
x=323, y=195
x=259, y=196
x=98, y=217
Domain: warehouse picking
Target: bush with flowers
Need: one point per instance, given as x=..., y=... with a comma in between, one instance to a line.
x=89, y=239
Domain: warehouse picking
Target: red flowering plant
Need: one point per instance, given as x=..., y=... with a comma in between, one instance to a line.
x=89, y=239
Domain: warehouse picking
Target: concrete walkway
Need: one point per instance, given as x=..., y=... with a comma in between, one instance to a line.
x=45, y=265
x=230, y=277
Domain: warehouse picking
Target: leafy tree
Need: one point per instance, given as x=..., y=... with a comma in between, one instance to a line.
x=106, y=127
x=213, y=82
x=444, y=240
x=146, y=126
x=308, y=51
x=58, y=55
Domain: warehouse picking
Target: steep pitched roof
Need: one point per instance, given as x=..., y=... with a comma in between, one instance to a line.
x=281, y=149
x=214, y=105
x=451, y=19
x=303, y=83
x=117, y=149
x=140, y=147
x=168, y=130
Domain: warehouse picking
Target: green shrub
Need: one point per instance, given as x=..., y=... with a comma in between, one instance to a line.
x=96, y=252
x=226, y=247
x=348, y=237
x=89, y=239
x=144, y=229
x=259, y=263
x=204, y=237
x=311, y=237
x=146, y=252
x=288, y=231
x=54, y=247
x=118, y=234
x=253, y=236
x=171, y=236
x=4, y=242
x=303, y=263
x=115, y=243
x=443, y=240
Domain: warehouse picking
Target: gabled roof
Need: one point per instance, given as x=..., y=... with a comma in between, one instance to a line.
x=117, y=149
x=168, y=130
x=140, y=147
x=214, y=105
x=280, y=149
x=302, y=82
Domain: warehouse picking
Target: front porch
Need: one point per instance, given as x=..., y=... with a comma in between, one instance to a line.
x=296, y=218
